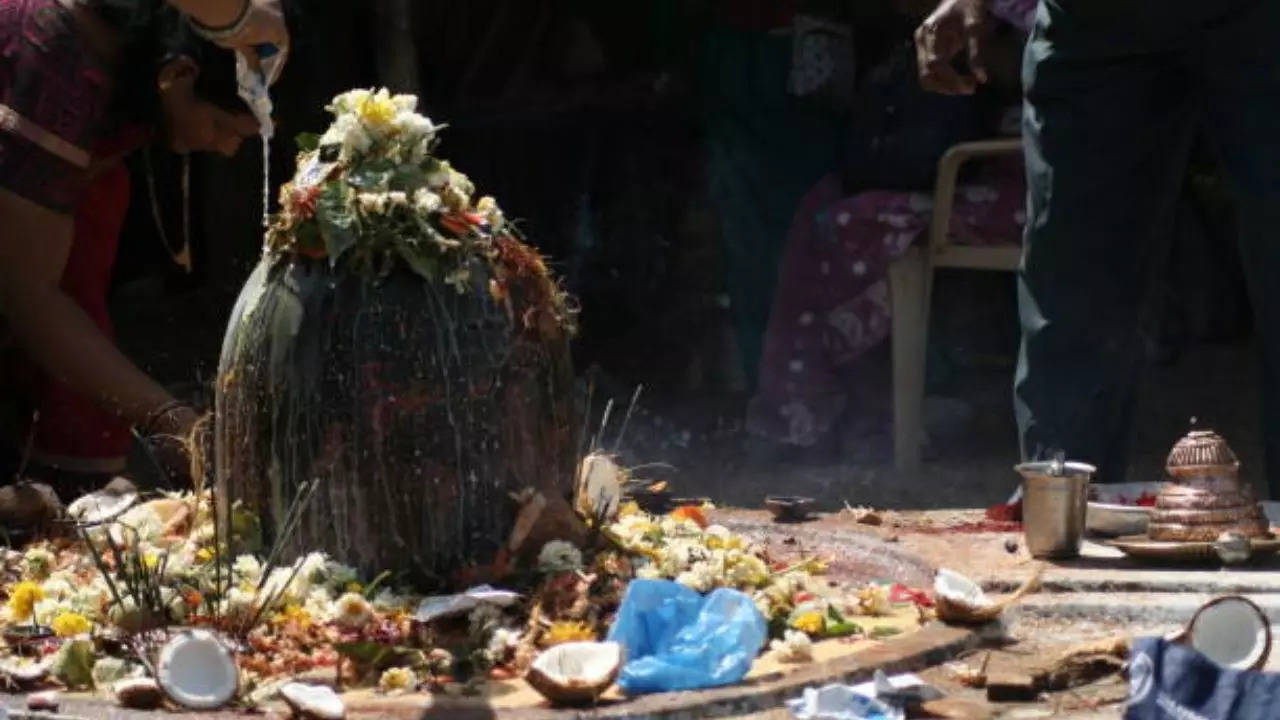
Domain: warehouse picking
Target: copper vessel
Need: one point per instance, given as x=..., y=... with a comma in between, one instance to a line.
x=1204, y=497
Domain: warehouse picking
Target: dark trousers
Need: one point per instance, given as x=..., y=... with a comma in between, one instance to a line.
x=1114, y=91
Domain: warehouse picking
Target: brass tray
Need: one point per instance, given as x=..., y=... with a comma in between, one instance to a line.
x=1143, y=548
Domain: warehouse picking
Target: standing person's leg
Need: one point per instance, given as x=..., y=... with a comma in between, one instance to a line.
x=1107, y=123
x=1241, y=75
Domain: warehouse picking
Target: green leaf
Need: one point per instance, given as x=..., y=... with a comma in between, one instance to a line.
x=307, y=235
x=408, y=178
x=418, y=260
x=837, y=628
x=307, y=141
x=336, y=220
x=73, y=665
x=371, y=657
x=372, y=175
x=883, y=631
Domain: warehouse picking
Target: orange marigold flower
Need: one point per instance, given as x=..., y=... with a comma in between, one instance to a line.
x=691, y=512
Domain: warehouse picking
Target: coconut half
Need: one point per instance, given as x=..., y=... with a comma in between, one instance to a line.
x=961, y=600
x=26, y=674
x=599, y=490
x=1231, y=631
x=577, y=672
x=100, y=507
x=313, y=701
x=138, y=693
x=197, y=671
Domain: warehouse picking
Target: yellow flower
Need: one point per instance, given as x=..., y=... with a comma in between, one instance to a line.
x=204, y=555
x=354, y=587
x=353, y=611
x=809, y=622
x=151, y=560
x=814, y=566
x=397, y=680
x=568, y=631
x=294, y=613
x=630, y=507
x=378, y=111
x=70, y=624
x=23, y=599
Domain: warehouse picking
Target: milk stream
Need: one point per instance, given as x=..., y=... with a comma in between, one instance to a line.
x=253, y=89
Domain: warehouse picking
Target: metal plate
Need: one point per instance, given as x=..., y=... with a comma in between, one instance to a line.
x=1139, y=546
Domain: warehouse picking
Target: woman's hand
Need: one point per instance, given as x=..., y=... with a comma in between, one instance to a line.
x=244, y=26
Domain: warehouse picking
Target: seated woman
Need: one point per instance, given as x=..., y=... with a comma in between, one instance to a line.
x=831, y=304
x=82, y=84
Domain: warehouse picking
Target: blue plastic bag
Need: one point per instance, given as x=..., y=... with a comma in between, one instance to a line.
x=677, y=639
x=1168, y=680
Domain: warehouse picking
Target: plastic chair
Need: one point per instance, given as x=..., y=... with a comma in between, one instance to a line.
x=911, y=288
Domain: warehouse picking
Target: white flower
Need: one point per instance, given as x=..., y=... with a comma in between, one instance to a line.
x=239, y=604
x=763, y=604
x=348, y=101
x=679, y=527
x=501, y=643
x=396, y=198
x=700, y=577
x=319, y=605
x=559, y=556
x=426, y=201
x=247, y=569
x=748, y=571
x=350, y=135
x=794, y=646
x=372, y=203
x=397, y=680
x=438, y=175
x=455, y=199
x=406, y=102
x=488, y=207
x=414, y=127
x=649, y=572
x=37, y=563
x=353, y=611
x=388, y=600
x=461, y=182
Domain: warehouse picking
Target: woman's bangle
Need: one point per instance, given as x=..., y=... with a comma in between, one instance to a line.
x=148, y=426
x=226, y=32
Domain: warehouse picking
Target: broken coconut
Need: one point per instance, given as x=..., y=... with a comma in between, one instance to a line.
x=25, y=673
x=138, y=693
x=313, y=701
x=100, y=507
x=46, y=701
x=197, y=671
x=575, y=673
x=599, y=490
x=961, y=600
x=1231, y=631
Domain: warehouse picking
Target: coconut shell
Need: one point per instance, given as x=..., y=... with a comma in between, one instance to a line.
x=959, y=611
x=570, y=691
x=138, y=693
x=1187, y=635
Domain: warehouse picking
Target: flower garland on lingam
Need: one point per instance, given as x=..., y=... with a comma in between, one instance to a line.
x=370, y=190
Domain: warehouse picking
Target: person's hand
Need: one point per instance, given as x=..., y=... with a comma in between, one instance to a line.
x=954, y=27
x=264, y=25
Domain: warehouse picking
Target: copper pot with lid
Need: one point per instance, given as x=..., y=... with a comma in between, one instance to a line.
x=1204, y=497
